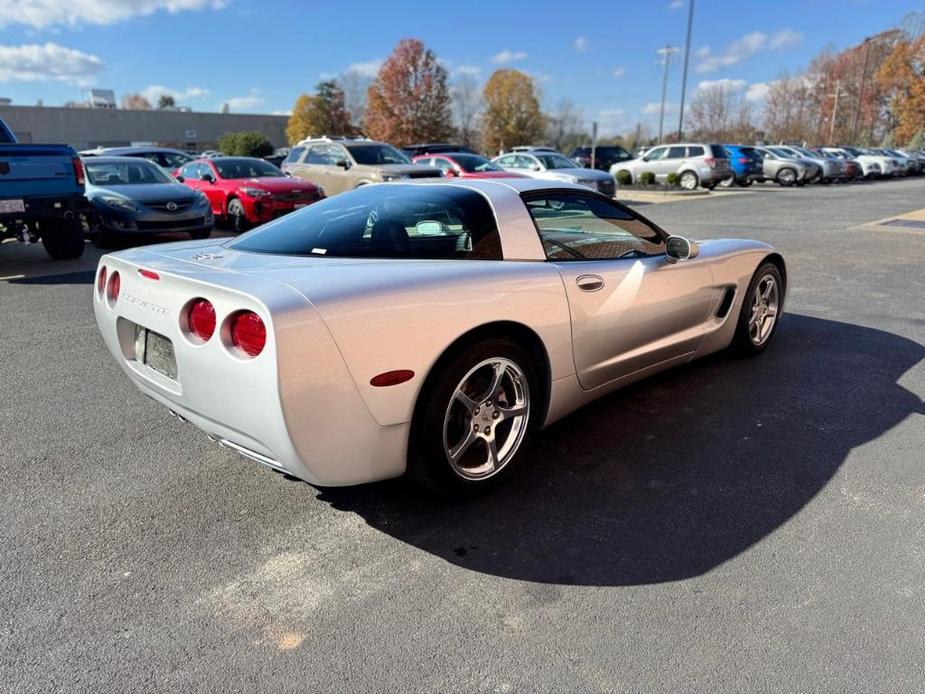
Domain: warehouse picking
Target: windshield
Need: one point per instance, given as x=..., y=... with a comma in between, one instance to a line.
x=246, y=168
x=176, y=159
x=781, y=152
x=140, y=172
x=373, y=155
x=555, y=161
x=385, y=221
x=473, y=163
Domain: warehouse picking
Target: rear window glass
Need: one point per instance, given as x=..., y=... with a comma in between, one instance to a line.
x=719, y=152
x=695, y=151
x=385, y=221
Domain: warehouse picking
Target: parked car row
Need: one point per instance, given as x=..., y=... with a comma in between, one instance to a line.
x=709, y=165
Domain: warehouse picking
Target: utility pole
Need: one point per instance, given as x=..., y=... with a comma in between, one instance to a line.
x=666, y=54
x=687, y=55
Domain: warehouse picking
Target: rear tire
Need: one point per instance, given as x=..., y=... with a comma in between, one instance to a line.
x=728, y=182
x=63, y=239
x=474, y=422
x=761, y=311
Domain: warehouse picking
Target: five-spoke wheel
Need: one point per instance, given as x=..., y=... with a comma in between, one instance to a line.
x=761, y=310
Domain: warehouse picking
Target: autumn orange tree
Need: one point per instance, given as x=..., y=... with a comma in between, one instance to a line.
x=323, y=113
x=902, y=77
x=409, y=100
x=512, y=111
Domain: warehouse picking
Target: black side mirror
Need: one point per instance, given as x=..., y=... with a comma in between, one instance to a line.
x=207, y=177
x=343, y=163
x=180, y=179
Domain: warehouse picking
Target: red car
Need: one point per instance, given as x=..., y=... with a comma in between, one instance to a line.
x=465, y=165
x=246, y=191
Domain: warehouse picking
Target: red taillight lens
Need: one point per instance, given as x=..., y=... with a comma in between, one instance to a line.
x=101, y=281
x=78, y=170
x=201, y=319
x=248, y=333
x=115, y=284
x=710, y=161
x=743, y=160
x=149, y=274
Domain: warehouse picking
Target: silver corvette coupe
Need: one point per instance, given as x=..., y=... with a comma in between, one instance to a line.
x=428, y=328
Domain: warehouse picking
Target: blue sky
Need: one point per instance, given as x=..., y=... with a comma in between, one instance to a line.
x=258, y=56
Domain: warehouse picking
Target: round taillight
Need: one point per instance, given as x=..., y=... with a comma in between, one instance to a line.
x=101, y=281
x=248, y=333
x=115, y=284
x=201, y=319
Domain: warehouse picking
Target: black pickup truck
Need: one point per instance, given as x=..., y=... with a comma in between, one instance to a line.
x=42, y=195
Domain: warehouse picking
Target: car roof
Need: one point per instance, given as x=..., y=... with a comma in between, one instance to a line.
x=139, y=150
x=113, y=159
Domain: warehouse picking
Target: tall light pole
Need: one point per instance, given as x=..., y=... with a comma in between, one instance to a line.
x=687, y=55
x=665, y=54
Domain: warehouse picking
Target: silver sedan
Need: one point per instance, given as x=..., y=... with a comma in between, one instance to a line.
x=424, y=328
x=552, y=166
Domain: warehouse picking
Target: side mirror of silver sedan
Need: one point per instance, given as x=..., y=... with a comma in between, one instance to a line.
x=679, y=248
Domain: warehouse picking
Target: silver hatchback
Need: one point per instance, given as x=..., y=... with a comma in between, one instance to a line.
x=696, y=164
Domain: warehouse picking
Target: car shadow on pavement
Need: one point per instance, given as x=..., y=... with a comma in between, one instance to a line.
x=675, y=475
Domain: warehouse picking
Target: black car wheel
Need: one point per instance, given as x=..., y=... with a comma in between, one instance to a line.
x=63, y=239
x=236, y=216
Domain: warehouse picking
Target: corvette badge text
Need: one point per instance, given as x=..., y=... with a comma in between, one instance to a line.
x=145, y=304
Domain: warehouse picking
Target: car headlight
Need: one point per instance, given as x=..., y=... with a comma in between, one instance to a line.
x=119, y=203
x=255, y=192
x=586, y=182
x=393, y=177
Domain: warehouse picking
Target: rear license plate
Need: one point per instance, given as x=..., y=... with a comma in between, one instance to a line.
x=7, y=206
x=156, y=352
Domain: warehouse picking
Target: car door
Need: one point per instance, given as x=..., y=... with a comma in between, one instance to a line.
x=650, y=161
x=212, y=189
x=670, y=163
x=631, y=307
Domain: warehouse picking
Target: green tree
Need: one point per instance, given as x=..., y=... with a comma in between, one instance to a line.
x=918, y=141
x=251, y=144
x=323, y=113
x=166, y=101
x=512, y=111
x=409, y=101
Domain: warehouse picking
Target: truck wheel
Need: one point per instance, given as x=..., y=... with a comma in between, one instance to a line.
x=63, y=239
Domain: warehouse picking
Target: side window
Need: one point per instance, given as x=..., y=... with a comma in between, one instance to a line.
x=293, y=155
x=573, y=226
x=508, y=161
x=443, y=164
x=326, y=155
x=655, y=154
x=695, y=151
x=676, y=152
x=525, y=162
x=190, y=171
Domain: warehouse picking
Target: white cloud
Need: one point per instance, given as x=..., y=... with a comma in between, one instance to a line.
x=153, y=92
x=728, y=84
x=784, y=39
x=758, y=91
x=745, y=47
x=675, y=4
x=45, y=13
x=369, y=68
x=618, y=72
x=48, y=63
x=653, y=107
x=612, y=120
x=467, y=70
x=245, y=103
x=287, y=112
x=508, y=56
x=581, y=44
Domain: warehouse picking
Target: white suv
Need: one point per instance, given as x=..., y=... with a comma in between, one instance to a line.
x=697, y=164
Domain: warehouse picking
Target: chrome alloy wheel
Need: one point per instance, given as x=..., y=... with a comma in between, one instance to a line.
x=688, y=180
x=486, y=419
x=765, y=305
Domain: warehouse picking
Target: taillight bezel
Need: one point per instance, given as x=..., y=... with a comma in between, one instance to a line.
x=102, y=276
x=113, y=288
x=186, y=321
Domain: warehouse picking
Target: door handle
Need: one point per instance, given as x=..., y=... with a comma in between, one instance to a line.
x=590, y=283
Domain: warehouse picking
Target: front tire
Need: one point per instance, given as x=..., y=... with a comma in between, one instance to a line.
x=237, y=217
x=474, y=423
x=63, y=239
x=761, y=311
x=786, y=177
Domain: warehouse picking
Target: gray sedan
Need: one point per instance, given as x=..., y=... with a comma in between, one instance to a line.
x=131, y=196
x=552, y=166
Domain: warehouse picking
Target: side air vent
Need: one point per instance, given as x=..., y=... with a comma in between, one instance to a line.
x=726, y=303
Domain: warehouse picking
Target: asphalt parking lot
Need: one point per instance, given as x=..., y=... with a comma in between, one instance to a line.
x=731, y=525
